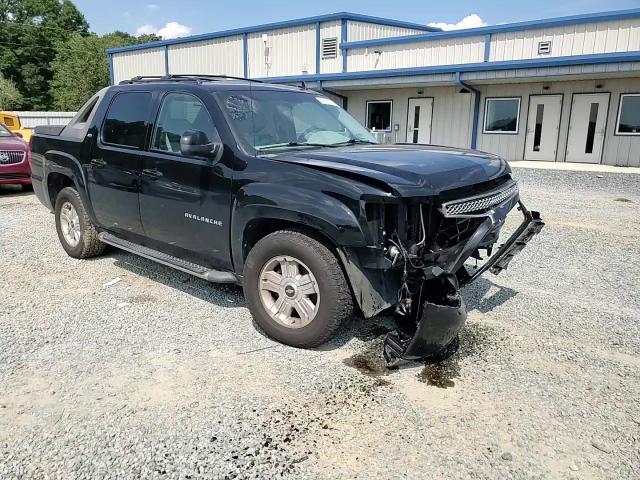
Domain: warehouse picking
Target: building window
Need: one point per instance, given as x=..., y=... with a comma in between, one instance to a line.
x=502, y=115
x=629, y=115
x=379, y=115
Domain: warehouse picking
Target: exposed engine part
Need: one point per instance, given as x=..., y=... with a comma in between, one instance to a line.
x=393, y=253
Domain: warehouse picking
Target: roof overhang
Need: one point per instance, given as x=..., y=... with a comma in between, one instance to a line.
x=469, y=69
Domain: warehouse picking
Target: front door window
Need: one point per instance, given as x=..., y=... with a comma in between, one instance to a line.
x=180, y=113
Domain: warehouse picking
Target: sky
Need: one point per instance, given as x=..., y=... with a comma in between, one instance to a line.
x=177, y=18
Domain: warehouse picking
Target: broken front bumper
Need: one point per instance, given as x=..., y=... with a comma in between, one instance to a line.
x=439, y=322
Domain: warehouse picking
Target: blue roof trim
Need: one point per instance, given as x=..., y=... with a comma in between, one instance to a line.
x=508, y=27
x=273, y=26
x=592, y=59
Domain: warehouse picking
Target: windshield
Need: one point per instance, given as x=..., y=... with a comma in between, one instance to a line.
x=273, y=121
x=4, y=132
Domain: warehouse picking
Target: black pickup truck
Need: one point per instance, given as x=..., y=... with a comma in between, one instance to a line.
x=280, y=190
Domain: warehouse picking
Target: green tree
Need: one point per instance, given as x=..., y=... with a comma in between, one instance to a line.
x=30, y=31
x=10, y=98
x=81, y=66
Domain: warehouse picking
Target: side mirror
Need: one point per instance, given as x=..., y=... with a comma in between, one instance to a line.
x=195, y=143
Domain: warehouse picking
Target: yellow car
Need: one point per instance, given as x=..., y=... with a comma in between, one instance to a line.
x=12, y=122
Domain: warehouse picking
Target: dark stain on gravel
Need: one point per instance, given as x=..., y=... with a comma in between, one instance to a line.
x=440, y=375
x=623, y=200
x=369, y=362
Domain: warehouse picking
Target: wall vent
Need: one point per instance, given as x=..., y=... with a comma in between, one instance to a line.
x=544, y=48
x=329, y=47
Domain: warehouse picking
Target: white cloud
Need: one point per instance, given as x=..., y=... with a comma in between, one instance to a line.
x=170, y=30
x=174, y=30
x=470, y=21
x=153, y=6
x=146, y=30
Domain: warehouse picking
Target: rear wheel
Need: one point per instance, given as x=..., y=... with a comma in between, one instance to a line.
x=295, y=288
x=77, y=234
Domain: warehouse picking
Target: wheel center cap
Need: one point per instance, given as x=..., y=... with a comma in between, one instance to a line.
x=290, y=291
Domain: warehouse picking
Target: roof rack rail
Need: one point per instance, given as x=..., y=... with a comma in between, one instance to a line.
x=183, y=78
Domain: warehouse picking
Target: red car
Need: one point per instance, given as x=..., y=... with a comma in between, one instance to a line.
x=15, y=159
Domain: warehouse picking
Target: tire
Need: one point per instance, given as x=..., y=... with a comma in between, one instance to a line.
x=334, y=302
x=27, y=187
x=88, y=244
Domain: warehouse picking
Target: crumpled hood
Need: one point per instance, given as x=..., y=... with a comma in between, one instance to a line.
x=409, y=170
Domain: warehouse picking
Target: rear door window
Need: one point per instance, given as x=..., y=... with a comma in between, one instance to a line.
x=126, y=121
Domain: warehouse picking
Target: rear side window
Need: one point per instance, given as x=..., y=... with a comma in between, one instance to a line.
x=126, y=120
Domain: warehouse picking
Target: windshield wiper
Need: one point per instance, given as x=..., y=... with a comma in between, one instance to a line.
x=292, y=144
x=355, y=141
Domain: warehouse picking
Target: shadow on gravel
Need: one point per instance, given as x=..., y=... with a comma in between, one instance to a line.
x=440, y=370
x=229, y=296
x=483, y=295
x=14, y=191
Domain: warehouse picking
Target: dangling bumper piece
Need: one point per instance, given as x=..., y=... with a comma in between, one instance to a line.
x=440, y=314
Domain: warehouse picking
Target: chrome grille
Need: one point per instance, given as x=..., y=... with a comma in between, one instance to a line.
x=480, y=204
x=10, y=157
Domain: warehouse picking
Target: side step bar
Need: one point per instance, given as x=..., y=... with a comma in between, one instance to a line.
x=214, y=276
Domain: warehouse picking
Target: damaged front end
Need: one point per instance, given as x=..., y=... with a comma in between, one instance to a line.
x=425, y=244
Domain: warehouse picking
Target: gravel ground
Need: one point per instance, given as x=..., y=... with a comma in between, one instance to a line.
x=121, y=368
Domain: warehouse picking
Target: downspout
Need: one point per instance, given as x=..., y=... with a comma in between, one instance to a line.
x=111, y=79
x=476, y=109
x=344, y=37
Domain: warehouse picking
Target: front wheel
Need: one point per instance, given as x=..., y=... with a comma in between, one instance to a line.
x=296, y=289
x=77, y=234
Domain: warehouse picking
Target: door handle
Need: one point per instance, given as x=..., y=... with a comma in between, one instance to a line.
x=98, y=163
x=152, y=173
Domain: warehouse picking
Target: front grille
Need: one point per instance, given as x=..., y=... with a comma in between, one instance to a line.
x=453, y=231
x=480, y=204
x=11, y=157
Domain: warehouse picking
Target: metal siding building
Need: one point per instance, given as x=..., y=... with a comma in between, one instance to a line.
x=548, y=90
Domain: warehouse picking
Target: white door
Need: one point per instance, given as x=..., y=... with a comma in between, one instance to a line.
x=419, y=120
x=586, y=127
x=543, y=127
